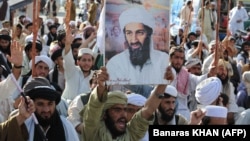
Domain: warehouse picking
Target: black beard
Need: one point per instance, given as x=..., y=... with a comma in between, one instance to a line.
x=223, y=81
x=177, y=69
x=140, y=55
x=5, y=50
x=165, y=117
x=54, y=35
x=111, y=126
x=45, y=122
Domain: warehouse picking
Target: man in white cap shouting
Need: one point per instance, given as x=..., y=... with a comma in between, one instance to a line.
x=139, y=63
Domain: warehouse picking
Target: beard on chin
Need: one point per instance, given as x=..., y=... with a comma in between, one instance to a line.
x=177, y=69
x=110, y=123
x=45, y=122
x=139, y=55
x=223, y=80
x=165, y=117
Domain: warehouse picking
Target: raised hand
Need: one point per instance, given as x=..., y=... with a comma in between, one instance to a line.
x=16, y=51
x=169, y=75
x=102, y=77
x=196, y=117
x=25, y=110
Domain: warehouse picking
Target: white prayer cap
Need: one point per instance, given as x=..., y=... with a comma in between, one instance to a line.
x=198, y=28
x=216, y=111
x=136, y=99
x=136, y=15
x=213, y=42
x=49, y=21
x=208, y=90
x=191, y=62
x=72, y=23
x=78, y=36
x=27, y=19
x=85, y=51
x=44, y=59
x=213, y=3
x=171, y=90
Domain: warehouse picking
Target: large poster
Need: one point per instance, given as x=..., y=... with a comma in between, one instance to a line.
x=137, y=41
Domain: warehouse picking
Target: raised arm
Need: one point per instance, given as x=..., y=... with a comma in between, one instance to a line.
x=154, y=99
x=16, y=58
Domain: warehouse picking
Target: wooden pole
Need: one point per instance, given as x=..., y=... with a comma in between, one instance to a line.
x=202, y=28
x=186, y=30
x=217, y=45
x=68, y=10
x=36, y=9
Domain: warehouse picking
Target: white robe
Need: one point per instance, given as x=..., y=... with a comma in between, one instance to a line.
x=75, y=82
x=237, y=14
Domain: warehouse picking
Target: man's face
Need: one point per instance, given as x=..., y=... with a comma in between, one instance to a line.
x=53, y=31
x=167, y=108
x=86, y=62
x=131, y=110
x=6, y=25
x=180, y=32
x=116, y=31
x=37, y=53
x=138, y=43
x=222, y=74
x=44, y=110
x=198, y=33
x=4, y=44
x=59, y=61
x=135, y=35
x=30, y=29
x=196, y=69
x=177, y=61
x=192, y=38
x=41, y=69
x=75, y=53
x=18, y=31
x=115, y=119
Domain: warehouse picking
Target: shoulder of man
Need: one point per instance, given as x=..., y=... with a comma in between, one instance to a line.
x=180, y=120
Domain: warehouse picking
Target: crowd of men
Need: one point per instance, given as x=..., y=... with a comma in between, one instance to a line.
x=60, y=88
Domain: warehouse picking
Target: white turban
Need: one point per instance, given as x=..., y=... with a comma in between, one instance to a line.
x=136, y=15
x=216, y=111
x=44, y=59
x=208, y=90
x=136, y=99
x=191, y=62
